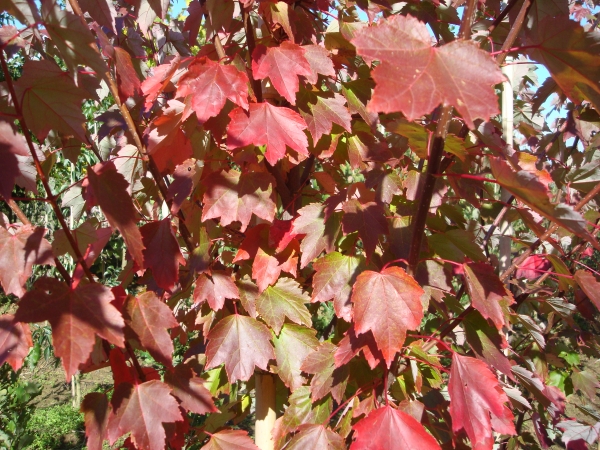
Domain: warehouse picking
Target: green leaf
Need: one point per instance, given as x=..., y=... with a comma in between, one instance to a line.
x=285, y=299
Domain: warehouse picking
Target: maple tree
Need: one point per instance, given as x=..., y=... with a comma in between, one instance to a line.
x=312, y=200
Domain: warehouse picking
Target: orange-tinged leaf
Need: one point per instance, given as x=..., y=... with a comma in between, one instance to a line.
x=161, y=253
x=108, y=188
x=526, y=187
x=333, y=280
x=319, y=233
x=285, y=299
x=234, y=196
x=240, y=342
x=387, y=428
x=488, y=294
x=215, y=288
x=292, y=346
x=282, y=65
x=18, y=253
x=265, y=124
x=388, y=303
x=95, y=409
x=142, y=409
x=316, y=436
x=210, y=84
x=77, y=316
x=15, y=341
x=230, y=440
x=477, y=402
x=149, y=318
x=414, y=77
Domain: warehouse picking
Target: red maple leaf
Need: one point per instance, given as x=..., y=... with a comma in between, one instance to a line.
x=477, y=402
x=162, y=254
x=414, y=77
x=368, y=219
x=319, y=232
x=76, y=316
x=265, y=124
x=215, y=288
x=488, y=294
x=230, y=440
x=323, y=113
x=108, y=188
x=142, y=409
x=388, y=303
x=190, y=390
x=210, y=84
x=18, y=253
x=11, y=145
x=15, y=341
x=127, y=79
x=235, y=196
x=282, y=64
x=240, y=342
x=95, y=409
x=149, y=318
x=387, y=428
x=319, y=61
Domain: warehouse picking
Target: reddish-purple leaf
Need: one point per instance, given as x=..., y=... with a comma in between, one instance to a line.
x=488, y=294
x=95, y=409
x=265, y=124
x=282, y=64
x=127, y=79
x=149, y=318
x=190, y=390
x=50, y=100
x=102, y=11
x=142, y=409
x=414, y=77
x=368, y=219
x=161, y=253
x=236, y=196
x=240, y=342
x=215, y=288
x=533, y=267
x=387, y=428
x=588, y=283
x=324, y=113
x=210, y=84
x=477, y=402
x=230, y=440
x=388, y=303
x=11, y=145
x=352, y=344
x=185, y=179
x=319, y=61
x=15, y=341
x=18, y=253
x=108, y=188
x=76, y=316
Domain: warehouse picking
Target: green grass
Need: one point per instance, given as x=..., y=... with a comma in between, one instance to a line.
x=57, y=427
